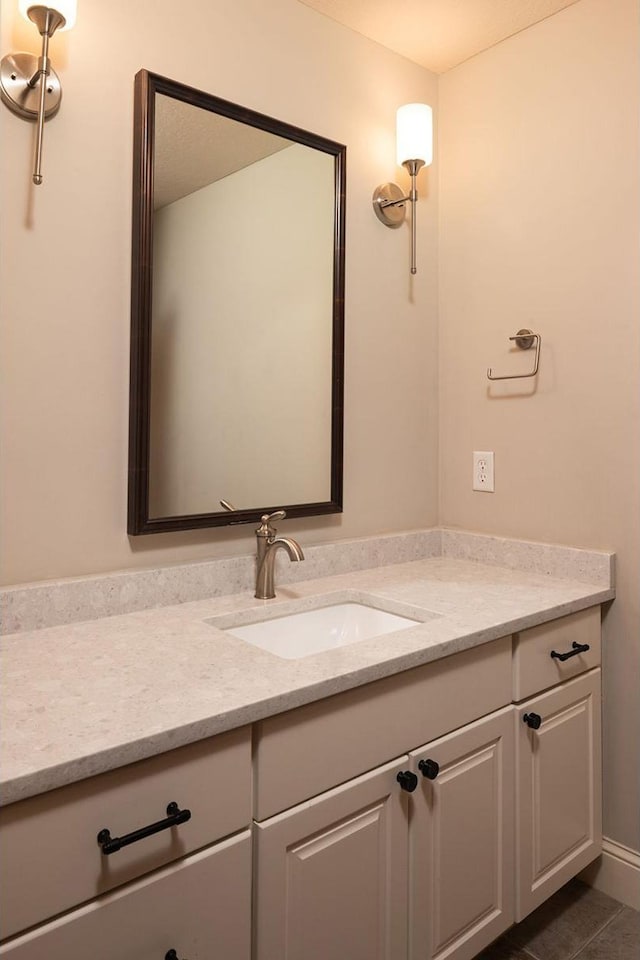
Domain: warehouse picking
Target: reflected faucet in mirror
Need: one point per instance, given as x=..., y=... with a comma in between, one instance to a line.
x=268, y=545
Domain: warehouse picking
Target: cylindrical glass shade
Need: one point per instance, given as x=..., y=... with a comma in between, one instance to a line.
x=414, y=133
x=68, y=9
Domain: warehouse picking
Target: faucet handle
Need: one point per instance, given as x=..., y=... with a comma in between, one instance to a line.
x=265, y=529
x=276, y=515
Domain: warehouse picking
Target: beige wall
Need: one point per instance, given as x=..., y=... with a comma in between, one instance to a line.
x=66, y=270
x=539, y=161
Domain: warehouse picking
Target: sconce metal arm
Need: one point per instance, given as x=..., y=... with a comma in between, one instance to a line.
x=47, y=22
x=383, y=204
x=413, y=166
x=43, y=71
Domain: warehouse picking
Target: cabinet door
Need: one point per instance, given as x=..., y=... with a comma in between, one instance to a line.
x=461, y=841
x=332, y=874
x=559, y=822
x=200, y=907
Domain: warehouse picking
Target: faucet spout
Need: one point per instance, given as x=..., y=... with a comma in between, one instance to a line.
x=292, y=547
x=268, y=546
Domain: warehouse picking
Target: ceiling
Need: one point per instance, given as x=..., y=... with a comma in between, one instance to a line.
x=438, y=34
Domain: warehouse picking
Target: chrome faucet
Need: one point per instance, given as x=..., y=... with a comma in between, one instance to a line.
x=268, y=546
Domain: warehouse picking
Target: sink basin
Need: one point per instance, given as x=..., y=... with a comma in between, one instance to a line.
x=325, y=628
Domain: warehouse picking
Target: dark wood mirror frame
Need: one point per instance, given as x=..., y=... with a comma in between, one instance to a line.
x=147, y=85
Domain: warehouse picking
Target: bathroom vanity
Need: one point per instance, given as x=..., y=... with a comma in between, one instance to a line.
x=408, y=796
x=406, y=839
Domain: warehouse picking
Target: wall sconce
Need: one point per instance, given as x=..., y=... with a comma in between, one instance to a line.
x=414, y=146
x=29, y=85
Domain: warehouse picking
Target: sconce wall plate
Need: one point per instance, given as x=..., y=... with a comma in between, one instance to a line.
x=16, y=71
x=389, y=204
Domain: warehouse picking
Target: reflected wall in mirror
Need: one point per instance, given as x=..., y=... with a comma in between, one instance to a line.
x=237, y=314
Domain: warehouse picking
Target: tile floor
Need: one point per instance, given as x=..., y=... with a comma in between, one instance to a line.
x=578, y=923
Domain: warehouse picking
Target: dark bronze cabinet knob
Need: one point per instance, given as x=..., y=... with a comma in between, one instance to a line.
x=407, y=780
x=532, y=720
x=429, y=769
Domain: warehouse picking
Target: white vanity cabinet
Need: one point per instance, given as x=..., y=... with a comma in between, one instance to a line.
x=154, y=894
x=558, y=754
x=415, y=817
x=199, y=907
x=461, y=840
x=372, y=869
x=501, y=815
x=559, y=818
x=333, y=872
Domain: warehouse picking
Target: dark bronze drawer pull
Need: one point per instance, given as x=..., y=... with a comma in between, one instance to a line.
x=111, y=844
x=171, y=955
x=577, y=648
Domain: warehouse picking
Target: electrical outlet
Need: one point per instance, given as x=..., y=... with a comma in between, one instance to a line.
x=483, y=471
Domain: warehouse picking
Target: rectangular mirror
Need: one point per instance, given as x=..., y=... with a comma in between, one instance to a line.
x=237, y=346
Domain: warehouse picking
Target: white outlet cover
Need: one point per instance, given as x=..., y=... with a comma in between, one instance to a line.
x=483, y=471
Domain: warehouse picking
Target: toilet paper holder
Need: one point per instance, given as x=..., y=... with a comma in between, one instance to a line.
x=525, y=339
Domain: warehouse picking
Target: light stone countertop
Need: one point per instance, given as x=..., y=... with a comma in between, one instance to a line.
x=84, y=698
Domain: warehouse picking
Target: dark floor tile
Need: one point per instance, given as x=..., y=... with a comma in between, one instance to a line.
x=620, y=939
x=503, y=950
x=559, y=928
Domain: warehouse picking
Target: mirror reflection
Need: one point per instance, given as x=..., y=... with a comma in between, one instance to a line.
x=243, y=317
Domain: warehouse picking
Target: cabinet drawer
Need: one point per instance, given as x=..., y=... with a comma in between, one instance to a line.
x=534, y=668
x=306, y=751
x=49, y=854
x=200, y=907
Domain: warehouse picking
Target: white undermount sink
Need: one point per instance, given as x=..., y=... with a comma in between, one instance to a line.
x=301, y=634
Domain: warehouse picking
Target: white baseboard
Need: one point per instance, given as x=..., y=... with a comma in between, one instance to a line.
x=616, y=873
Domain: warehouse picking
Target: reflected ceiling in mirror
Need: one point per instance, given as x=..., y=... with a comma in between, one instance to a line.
x=237, y=314
x=194, y=148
